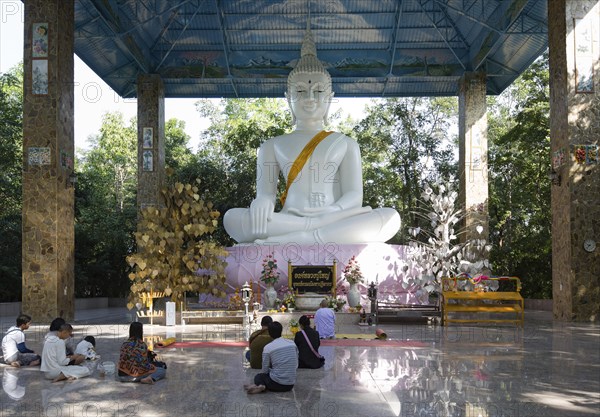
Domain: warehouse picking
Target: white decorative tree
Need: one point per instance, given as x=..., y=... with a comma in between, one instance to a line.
x=442, y=254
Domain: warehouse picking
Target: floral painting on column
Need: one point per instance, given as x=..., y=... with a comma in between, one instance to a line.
x=39, y=79
x=39, y=40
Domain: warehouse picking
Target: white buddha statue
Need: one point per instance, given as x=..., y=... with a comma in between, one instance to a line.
x=323, y=200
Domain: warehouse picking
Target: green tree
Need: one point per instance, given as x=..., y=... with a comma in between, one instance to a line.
x=11, y=162
x=105, y=209
x=177, y=153
x=404, y=144
x=520, y=212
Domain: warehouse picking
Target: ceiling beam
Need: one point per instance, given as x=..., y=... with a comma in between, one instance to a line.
x=443, y=37
x=179, y=37
x=500, y=37
x=465, y=15
x=226, y=49
x=110, y=17
x=394, y=41
x=173, y=8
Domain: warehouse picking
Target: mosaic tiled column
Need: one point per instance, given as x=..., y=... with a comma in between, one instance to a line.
x=48, y=194
x=151, y=139
x=472, y=156
x=574, y=40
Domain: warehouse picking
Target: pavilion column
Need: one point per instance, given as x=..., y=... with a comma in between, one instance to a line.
x=472, y=156
x=574, y=40
x=48, y=153
x=151, y=140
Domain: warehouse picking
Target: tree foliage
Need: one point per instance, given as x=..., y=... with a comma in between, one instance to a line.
x=177, y=153
x=519, y=155
x=105, y=209
x=405, y=143
x=11, y=161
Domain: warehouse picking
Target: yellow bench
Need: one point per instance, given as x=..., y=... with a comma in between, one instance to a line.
x=457, y=300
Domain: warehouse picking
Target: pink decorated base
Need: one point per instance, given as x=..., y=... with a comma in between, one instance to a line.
x=380, y=263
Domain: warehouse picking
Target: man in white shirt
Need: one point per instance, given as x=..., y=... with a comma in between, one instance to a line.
x=325, y=321
x=13, y=345
x=279, y=364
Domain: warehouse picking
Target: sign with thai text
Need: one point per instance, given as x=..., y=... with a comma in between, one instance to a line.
x=320, y=279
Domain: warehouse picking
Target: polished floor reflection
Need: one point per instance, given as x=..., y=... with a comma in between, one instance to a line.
x=547, y=369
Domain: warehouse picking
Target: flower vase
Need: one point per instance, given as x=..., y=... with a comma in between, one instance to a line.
x=353, y=296
x=269, y=297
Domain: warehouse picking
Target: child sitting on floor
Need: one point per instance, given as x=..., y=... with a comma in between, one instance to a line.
x=87, y=348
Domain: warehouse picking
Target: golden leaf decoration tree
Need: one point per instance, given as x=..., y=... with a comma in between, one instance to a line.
x=173, y=255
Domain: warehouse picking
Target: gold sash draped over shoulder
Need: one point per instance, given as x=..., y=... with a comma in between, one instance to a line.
x=300, y=161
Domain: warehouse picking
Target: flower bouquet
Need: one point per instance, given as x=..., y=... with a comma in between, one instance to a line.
x=336, y=303
x=294, y=326
x=352, y=272
x=289, y=298
x=269, y=274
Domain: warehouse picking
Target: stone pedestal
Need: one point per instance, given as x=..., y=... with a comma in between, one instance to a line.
x=309, y=301
x=48, y=155
x=473, y=154
x=574, y=40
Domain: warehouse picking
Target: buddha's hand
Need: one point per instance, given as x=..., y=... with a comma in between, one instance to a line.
x=261, y=211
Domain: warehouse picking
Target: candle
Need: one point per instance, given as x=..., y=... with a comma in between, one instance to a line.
x=258, y=300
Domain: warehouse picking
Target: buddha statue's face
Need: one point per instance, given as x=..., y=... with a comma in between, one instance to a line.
x=309, y=96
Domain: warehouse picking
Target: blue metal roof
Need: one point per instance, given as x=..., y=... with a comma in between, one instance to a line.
x=246, y=48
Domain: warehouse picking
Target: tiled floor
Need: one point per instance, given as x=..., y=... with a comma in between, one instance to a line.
x=548, y=369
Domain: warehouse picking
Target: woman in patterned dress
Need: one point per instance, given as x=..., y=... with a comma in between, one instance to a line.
x=135, y=362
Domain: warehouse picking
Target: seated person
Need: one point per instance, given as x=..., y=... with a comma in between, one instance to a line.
x=56, y=365
x=322, y=202
x=257, y=341
x=14, y=350
x=53, y=330
x=87, y=348
x=135, y=360
x=308, y=344
x=279, y=364
x=325, y=321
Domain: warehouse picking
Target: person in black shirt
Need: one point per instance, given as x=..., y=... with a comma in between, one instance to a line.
x=307, y=356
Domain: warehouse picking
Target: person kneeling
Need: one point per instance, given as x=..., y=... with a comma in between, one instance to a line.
x=136, y=361
x=279, y=364
x=308, y=344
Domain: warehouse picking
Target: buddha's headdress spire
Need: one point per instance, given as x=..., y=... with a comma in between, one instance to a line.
x=308, y=62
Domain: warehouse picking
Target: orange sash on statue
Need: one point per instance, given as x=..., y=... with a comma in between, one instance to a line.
x=301, y=160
